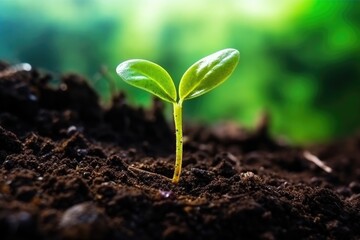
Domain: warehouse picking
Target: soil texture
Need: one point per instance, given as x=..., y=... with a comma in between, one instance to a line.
x=72, y=169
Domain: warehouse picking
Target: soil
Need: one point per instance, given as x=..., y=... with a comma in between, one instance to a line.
x=72, y=169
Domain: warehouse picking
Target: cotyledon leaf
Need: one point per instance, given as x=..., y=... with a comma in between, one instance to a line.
x=208, y=73
x=148, y=76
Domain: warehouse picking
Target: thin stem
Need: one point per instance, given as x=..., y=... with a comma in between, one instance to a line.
x=179, y=141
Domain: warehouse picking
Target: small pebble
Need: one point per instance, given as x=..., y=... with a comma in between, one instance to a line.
x=8, y=164
x=86, y=174
x=165, y=194
x=32, y=97
x=71, y=130
x=355, y=187
x=84, y=220
x=81, y=152
x=247, y=175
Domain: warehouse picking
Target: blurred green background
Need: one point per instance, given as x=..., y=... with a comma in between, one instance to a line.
x=300, y=60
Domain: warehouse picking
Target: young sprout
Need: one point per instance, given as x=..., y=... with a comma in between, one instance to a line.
x=200, y=78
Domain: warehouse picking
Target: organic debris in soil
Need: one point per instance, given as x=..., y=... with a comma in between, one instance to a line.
x=71, y=169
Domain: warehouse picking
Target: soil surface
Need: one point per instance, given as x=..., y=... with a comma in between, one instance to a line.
x=71, y=169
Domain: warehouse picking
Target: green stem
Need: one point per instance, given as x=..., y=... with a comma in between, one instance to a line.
x=179, y=140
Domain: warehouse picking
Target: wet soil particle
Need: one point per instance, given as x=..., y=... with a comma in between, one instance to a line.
x=71, y=169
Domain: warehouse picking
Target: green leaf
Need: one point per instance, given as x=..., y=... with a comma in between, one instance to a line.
x=208, y=73
x=148, y=76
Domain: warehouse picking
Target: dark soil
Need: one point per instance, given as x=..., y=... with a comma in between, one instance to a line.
x=71, y=169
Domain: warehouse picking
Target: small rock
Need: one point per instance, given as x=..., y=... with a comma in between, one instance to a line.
x=355, y=187
x=84, y=221
x=8, y=164
x=81, y=152
x=165, y=194
x=86, y=175
x=71, y=130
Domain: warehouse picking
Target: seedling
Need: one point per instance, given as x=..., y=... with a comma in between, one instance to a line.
x=200, y=78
